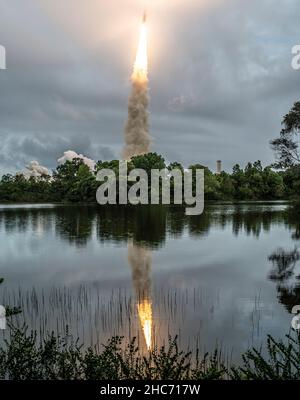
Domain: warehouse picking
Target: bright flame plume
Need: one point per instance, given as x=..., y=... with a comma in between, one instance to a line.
x=137, y=138
x=140, y=70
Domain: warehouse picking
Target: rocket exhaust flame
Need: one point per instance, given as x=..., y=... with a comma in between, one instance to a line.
x=137, y=139
x=139, y=259
x=140, y=70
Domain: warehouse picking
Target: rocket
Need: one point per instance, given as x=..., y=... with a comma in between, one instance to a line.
x=145, y=16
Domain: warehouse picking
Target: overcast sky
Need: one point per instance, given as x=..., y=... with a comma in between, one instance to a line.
x=220, y=76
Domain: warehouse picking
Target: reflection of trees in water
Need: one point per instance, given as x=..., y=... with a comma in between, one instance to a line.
x=293, y=219
x=145, y=225
x=253, y=222
x=199, y=225
x=21, y=220
x=75, y=224
x=149, y=225
x=285, y=262
x=289, y=296
x=283, y=273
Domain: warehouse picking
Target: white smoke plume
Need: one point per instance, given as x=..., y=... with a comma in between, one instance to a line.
x=137, y=138
x=34, y=169
x=71, y=155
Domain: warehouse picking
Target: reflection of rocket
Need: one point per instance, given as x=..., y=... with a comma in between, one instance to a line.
x=139, y=258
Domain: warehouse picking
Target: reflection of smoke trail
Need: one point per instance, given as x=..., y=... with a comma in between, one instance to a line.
x=139, y=259
x=137, y=128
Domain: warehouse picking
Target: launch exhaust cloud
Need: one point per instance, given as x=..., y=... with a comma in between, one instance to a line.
x=34, y=170
x=71, y=155
x=137, y=137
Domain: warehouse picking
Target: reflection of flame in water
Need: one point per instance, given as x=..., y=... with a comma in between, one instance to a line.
x=145, y=315
x=140, y=260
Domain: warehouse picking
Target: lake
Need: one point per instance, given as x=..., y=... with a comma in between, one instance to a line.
x=226, y=278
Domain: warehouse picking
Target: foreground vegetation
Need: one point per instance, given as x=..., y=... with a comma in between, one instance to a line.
x=28, y=356
x=22, y=358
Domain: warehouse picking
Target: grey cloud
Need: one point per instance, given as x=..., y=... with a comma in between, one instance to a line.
x=223, y=66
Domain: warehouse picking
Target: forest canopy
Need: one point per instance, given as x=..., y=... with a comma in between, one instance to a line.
x=74, y=181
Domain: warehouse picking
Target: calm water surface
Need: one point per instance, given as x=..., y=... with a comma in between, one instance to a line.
x=228, y=277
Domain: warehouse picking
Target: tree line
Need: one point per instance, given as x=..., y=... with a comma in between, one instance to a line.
x=75, y=182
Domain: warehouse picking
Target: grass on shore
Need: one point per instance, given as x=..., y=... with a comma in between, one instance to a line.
x=23, y=358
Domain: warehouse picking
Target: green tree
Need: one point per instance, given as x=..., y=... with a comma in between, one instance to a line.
x=273, y=184
x=211, y=183
x=176, y=165
x=148, y=162
x=227, y=188
x=113, y=165
x=291, y=180
x=238, y=178
x=74, y=181
x=286, y=146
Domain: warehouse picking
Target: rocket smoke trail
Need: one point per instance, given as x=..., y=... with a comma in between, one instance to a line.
x=137, y=138
x=139, y=259
x=137, y=141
